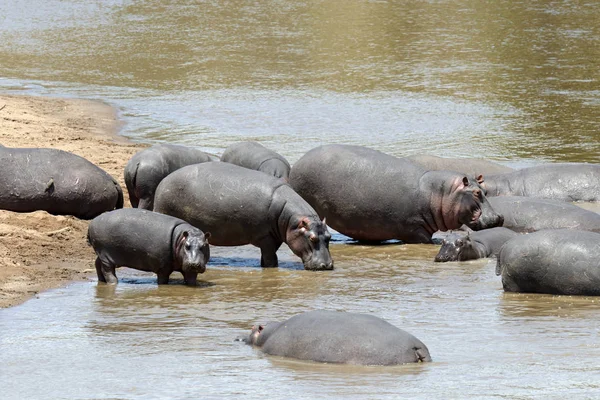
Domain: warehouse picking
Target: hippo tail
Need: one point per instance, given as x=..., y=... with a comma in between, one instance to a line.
x=131, y=182
x=120, y=200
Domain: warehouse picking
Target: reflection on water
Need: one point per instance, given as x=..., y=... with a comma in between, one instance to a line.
x=139, y=340
x=510, y=80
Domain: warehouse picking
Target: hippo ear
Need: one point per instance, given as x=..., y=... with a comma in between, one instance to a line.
x=465, y=181
x=480, y=179
x=185, y=235
x=324, y=223
x=260, y=328
x=206, y=236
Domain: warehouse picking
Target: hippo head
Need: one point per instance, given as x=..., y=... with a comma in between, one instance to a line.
x=252, y=338
x=308, y=238
x=192, y=253
x=457, y=246
x=469, y=204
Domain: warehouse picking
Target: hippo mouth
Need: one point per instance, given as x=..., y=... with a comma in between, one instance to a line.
x=199, y=268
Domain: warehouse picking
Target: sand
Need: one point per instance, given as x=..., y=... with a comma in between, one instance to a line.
x=39, y=251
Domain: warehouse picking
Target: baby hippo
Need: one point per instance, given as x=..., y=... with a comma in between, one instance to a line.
x=463, y=245
x=147, y=241
x=338, y=337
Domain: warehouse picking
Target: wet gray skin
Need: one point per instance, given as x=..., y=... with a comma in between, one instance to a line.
x=147, y=241
x=148, y=167
x=55, y=181
x=466, y=245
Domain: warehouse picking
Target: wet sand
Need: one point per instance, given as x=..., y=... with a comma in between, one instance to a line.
x=39, y=251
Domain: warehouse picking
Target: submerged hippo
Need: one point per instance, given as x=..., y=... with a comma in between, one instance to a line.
x=147, y=168
x=255, y=156
x=147, y=241
x=241, y=206
x=566, y=182
x=466, y=245
x=467, y=166
x=553, y=261
x=372, y=196
x=339, y=337
x=528, y=214
x=55, y=181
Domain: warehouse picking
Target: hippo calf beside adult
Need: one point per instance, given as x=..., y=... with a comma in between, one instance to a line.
x=148, y=167
x=147, y=241
x=528, y=214
x=241, y=206
x=566, y=182
x=554, y=261
x=339, y=337
x=472, y=245
x=468, y=166
x=254, y=155
x=372, y=196
x=55, y=181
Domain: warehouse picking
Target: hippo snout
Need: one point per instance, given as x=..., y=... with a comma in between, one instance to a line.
x=319, y=265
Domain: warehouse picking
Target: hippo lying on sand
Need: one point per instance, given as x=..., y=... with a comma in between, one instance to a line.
x=241, y=206
x=339, y=337
x=527, y=214
x=554, y=261
x=467, y=166
x=55, y=181
x=372, y=196
x=471, y=245
x=566, y=182
x=147, y=241
x=255, y=156
x=147, y=168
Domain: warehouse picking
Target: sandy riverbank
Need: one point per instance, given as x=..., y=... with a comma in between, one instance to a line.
x=39, y=251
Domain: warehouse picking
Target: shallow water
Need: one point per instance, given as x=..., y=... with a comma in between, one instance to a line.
x=512, y=81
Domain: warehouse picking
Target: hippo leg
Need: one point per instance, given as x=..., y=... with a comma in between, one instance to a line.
x=268, y=249
x=163, y=277
x=146, y=204
x=105, y=272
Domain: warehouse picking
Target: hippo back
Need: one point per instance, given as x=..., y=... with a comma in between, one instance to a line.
x=255, y=156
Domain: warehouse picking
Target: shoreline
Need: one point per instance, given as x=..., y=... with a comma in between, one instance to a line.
x=40, y=251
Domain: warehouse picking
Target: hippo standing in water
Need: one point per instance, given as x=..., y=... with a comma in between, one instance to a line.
x=147, y=241
x=528, y=214
x=553, y=261
x=147, y=168
x=55, y=181
x=255, y=156
x=467, y=166
x=241, y=206
x=339, y=337
x=471, y=245
x=566, y=182
x=372, y=196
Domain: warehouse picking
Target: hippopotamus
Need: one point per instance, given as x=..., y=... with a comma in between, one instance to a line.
x=566, y=182
x=468, y=166
x=371, y=196
x=147, y=241
x=242, y=206
x=148, y=167
x=553, y=261
x=463, y=245
x=528, y=214
x=338, y=337
x=255, y=156
x=55, y=181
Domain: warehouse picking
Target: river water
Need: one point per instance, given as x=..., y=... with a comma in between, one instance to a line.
x=512, y=81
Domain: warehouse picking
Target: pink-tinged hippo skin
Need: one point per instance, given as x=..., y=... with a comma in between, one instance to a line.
x=566, y=182
x=529, y=214
x=468, y=166
x=464, y=245
x=148, y=167
x=254, y=155
x=147, y=241
x=372, y=196
x=242, y=206
x=55, y=181
x=553, y=261
x=339, y=337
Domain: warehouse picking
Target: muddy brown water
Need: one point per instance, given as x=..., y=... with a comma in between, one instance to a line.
x=512, y=81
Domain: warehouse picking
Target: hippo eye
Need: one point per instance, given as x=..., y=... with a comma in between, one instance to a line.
x=188, y=246
x=477, y=193
x=459, y=242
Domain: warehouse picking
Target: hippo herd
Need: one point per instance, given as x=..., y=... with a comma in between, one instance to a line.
x=183, y=198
